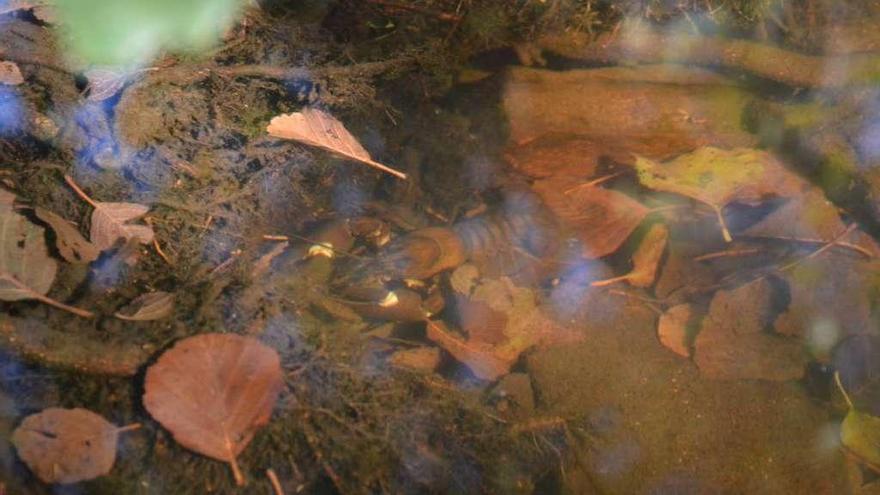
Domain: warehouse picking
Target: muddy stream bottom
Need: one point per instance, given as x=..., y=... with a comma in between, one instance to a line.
x=367, y=247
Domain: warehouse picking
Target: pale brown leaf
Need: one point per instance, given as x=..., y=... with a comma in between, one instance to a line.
x=66, y=445
x=104, y=83
x=71, y=245
x=672, y=329
x=318, y=128
x=146, y=307
x=213, y=391
x=109, y=224
x=26, y=269
x=10, y=74
x=602, y=219
x=25, y=266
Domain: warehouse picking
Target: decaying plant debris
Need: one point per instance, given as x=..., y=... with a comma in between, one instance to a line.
x=694, y=231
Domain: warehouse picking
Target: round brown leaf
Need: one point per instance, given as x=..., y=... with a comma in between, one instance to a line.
x=66, y=445
x=213, y=391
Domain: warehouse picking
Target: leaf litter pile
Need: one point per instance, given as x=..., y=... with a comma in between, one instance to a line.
x=303, y=281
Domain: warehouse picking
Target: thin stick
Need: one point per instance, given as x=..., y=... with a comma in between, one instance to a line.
x=725, y=254
x=594, y=182
x=724, y=231
x=849, y=403
x=819, y=251
x=443, y=16
x=156, y=245
x=48, y=300
x=270, y=237
x=273, y=478
x=609, y=281
x=131, y=427
x=846, y=245
x=79, y=191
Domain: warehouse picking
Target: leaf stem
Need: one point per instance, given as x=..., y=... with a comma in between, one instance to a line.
x=846, y=398
x=131, y=427
x=79, y=191
x=48, y=300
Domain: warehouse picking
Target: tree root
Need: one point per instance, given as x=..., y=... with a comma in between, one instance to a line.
x=55, y=348
x=645, y=45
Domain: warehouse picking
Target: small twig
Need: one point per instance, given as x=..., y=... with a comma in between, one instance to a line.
x=273, y=479
x=131, y=427
x=443, y=16
x=156, y=245
x=845, y=245
x=592, y=183
x=270, y=237
x=79, y=191
x=819, y=251
x=725, y=254
x=842, y=390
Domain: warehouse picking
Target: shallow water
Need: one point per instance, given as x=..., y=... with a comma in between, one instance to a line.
x=636, y=267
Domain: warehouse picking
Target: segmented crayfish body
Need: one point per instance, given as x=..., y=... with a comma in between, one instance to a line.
x=519, y=238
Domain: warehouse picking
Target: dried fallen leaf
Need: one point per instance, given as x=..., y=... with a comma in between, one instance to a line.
x=146, y=307
x=514, y=325
x=26, y=269
x=859, y=432
x=10, y=74
x=318, y=128
x=110, y=220
x=104, y=83
x=645, y=260
x=110, y=223
x=600, y=218
x=718, y=177
x=672, y=329
x=72, y=246
x=67, y=445
x=213, y=391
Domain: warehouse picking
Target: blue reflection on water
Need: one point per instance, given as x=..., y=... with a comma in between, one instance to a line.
x=11, y=111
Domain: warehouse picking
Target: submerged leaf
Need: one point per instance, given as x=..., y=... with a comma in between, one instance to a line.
x=146, y=307
x=10, y=74
x=646, y=259
x=602, y=219
x=110, y=223
x=213, y=391
x=104, y=83
x=718, y=177
x=860, y=436
x=72, y=246
x=26, y=270
x=67, y=445
x=317, y=128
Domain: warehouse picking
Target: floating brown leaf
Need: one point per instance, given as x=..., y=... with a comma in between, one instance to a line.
x=67, y=445
x=10, y=74
x=317, y=128
x=110, y=223
x=110, y=220
x=26, y=270
x=213, y=391
x=104, y=83
x=601, y=218
x=72, y=246
x=718, y=177
x=645, y=260
x=146, y=307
